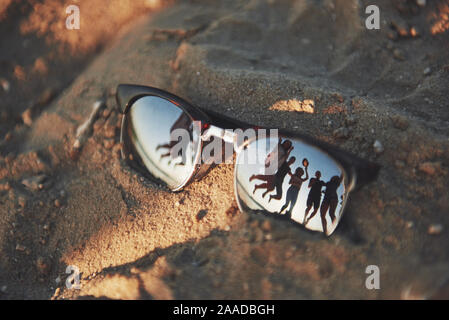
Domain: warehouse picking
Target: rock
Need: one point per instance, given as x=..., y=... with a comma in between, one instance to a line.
x=57, y=203
x=22, y=201
x=266, y=226
x=20, y=248
x=397, y=53
x=429, y=168
x=106, y=113
x=42, y=266
x=435, y=229
x=341, y=133
x=4, y=84
x=421, y=3
x=5, y=186
x=414, y=32
x=27, y=117
x=84, y=131
x=35, y=183
x=108, y=143
x=378, y=147
x=3, y=289
x=427, y=71
x=400, y=122
x=401, y=27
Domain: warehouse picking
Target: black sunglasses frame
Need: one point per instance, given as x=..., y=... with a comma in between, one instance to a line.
x=359, y=170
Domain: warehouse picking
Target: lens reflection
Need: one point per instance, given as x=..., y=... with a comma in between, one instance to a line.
x=152, y=125
x=308, y=186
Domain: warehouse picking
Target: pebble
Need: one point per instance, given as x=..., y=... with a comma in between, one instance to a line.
x=401, y=27
x=20, y=247
x=266, y=226
x=435, y=229
x=421, y=3
x=108, y=143
x=35, y=183
x=414, y=32
x=3, y=289
x=5, y=186
x=57, y=203
x=341, y=133
x=429, y=168
x=22, y=201
x=397, y=53
x=42, y=266
x=378, y=147
x=400, y=122
x=5, y=85
x=106, y=113
x=27, y=117
x=427, y=71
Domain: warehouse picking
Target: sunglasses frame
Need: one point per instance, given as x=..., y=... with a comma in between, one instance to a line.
x=358, y=171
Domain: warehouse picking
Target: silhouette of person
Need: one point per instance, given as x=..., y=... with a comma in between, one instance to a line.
x=280, y=176
x=330, y=200
x=280, y=153
x=183, y=122
x=273, y=180
x=314, y=197
x=293, y=191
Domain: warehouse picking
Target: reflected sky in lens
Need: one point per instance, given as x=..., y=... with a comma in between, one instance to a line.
x=152, y=120
x=317, y=159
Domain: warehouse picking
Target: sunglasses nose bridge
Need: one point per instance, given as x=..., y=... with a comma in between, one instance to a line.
x=227, y=136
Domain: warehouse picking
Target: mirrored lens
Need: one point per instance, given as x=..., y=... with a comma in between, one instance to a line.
x=306, y=186
x=163, y=138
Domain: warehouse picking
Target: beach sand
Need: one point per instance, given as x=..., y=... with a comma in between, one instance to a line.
x=250, y=60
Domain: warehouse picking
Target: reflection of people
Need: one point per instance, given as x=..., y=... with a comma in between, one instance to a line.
x=273, y=180
x=280, y=176
x=314, y=198
x=183, y=122
x=330, y=200
x=281, y=153
x=293, y=191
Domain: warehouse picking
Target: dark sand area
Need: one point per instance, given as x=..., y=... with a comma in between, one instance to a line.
x=380, y=94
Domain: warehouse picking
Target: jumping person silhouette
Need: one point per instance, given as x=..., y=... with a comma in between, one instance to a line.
x=314, y=197
x=183, y=122
x=330, y=200
x=295, y=186
x=280, y=154
x=273, y=180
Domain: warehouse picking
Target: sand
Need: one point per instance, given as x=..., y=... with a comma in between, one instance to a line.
x=380, y=94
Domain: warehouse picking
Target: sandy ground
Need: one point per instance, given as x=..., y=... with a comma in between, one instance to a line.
x=131, y=239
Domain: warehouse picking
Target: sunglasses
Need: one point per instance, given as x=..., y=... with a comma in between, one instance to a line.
x=277, y=172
